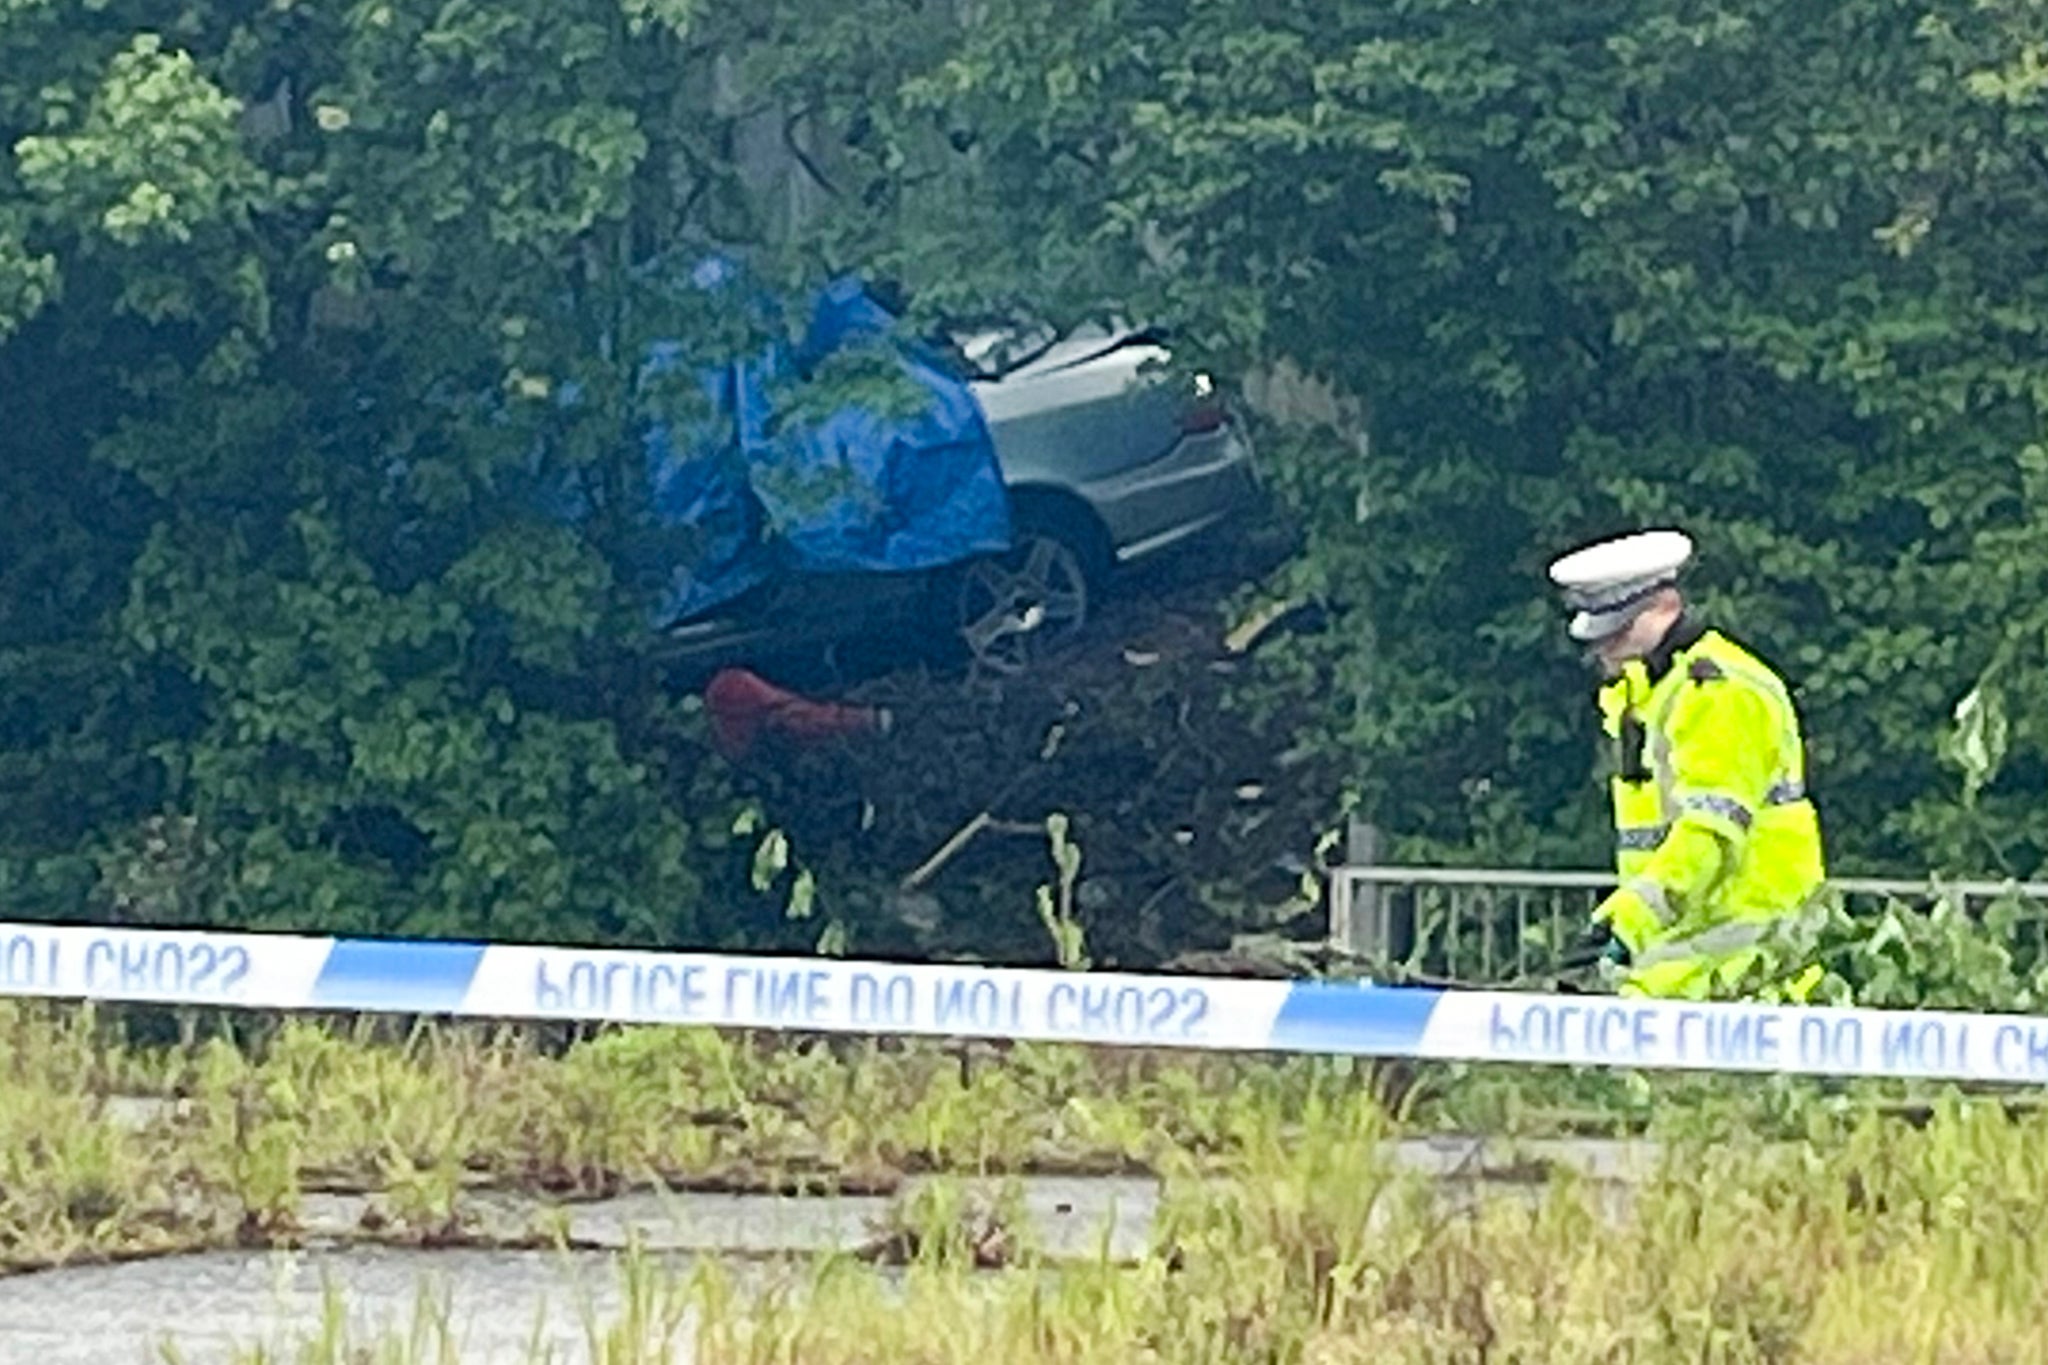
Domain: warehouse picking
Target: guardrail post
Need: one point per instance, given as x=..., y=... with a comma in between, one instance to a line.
x=1357, y=915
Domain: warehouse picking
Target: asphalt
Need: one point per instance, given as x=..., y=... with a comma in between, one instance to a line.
x=502, y=1302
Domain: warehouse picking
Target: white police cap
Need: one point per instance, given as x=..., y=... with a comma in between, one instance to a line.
x=1609, y=583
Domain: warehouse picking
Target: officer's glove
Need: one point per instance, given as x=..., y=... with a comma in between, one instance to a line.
x=1633, y=920
x=1604, y=946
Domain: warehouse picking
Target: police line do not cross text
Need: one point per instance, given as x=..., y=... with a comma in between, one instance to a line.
x=475, y=980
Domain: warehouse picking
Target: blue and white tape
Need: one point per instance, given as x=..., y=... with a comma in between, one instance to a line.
x=505, y=981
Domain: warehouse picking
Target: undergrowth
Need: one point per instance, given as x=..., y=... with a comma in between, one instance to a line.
x=1882, y=1245
x=232, y=1135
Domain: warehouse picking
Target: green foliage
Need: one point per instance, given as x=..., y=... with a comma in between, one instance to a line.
x=1056, y=903
x=152, y=158
x=305, y=311
x=1951, y=956
x=312, y=320
x=1761, y=268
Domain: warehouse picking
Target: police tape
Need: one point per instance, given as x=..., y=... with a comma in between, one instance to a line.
x=261, y=971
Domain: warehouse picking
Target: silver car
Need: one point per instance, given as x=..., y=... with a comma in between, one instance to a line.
x=1106, y=461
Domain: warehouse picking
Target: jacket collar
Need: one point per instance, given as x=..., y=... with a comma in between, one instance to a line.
x=1685, y=632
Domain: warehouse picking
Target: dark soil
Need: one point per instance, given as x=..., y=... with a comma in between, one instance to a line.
x=1194, y=821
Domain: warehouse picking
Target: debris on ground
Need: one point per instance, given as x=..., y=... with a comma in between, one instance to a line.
x=745, y=709
x=1196, y=821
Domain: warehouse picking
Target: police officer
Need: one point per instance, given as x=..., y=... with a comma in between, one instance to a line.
x=1715, y=835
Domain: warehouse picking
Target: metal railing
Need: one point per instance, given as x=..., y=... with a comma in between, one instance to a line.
x=1506, y=926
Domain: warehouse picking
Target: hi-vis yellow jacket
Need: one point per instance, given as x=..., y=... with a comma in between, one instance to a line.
x=1715, y=834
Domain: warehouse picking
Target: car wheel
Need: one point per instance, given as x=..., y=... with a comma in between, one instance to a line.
x=1014, y=607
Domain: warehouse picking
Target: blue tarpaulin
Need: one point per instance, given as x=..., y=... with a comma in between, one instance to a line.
x=856, y=492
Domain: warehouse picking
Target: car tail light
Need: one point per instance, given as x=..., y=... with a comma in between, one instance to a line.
x=1207, y=413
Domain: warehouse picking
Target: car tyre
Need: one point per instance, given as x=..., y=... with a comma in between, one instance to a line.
x=1012, y=609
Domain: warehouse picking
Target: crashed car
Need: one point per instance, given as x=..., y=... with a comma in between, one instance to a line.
x=1099, y=461
x=1104, y=466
